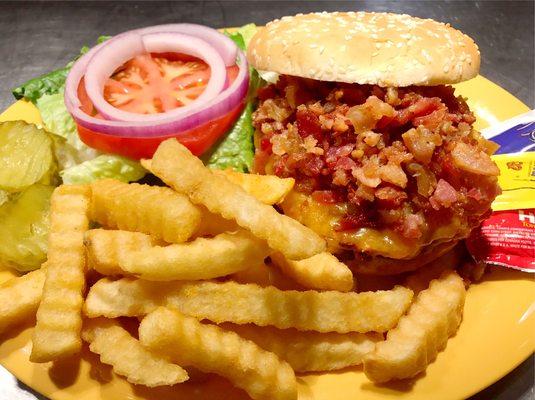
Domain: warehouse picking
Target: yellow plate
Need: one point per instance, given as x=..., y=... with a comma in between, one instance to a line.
x=496, y=335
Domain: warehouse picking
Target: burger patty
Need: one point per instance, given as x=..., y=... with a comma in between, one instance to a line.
x=401, y=160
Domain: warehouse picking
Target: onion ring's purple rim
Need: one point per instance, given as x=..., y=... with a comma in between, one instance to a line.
x=119, y=51
x=222, y=43
x=217, y=39
x=215, y=109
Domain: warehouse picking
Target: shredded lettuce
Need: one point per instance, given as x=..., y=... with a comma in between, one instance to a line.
x=236, y=149
x=103, y=166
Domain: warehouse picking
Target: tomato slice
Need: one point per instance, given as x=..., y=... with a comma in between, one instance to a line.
x=152, y=84
x=198, y=140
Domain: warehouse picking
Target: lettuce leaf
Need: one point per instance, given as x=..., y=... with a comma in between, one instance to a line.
x=45, y=84
x=49, y=83
x=103, y=166
x=79, y=163
x=57, y=120
x=236, y=149
x=242, y=36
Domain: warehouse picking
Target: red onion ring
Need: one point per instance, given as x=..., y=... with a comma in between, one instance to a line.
x=108, y=58
x=223, y=44
x=226, y=101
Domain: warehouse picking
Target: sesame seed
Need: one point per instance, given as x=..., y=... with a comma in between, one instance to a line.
x=399, y=45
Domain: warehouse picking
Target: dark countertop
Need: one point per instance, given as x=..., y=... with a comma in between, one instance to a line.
x=38, y=37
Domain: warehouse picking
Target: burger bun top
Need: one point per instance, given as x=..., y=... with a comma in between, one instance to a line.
x=365, y=48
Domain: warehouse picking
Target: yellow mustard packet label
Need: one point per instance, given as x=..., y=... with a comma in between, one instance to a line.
x=517, y=180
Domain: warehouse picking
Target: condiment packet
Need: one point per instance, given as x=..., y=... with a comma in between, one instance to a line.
x=507, y=237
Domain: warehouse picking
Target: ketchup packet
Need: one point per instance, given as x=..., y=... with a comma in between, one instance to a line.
x=507, y=237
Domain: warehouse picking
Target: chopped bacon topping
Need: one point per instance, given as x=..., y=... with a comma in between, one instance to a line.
x=474, y=160
x=412, y=226
x=409, y=152
x=443, y=196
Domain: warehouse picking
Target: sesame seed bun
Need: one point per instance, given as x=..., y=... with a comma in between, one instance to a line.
x=365, y=48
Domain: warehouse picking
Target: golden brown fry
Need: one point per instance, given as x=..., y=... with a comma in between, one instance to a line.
x=214, y=224
x=20, y=297
x=421, y=334
x=200, y=259
x=106, y=248
x=59, y=316
x=157, y=211
x=322, y=271
x=241, y=304
x=147, y=164
x=269, y=189
x=266, y=275
x=122, y=252
x=420, y=279
x=211, y=349
x=175, y=165
x=128, y=357
x=310, y=351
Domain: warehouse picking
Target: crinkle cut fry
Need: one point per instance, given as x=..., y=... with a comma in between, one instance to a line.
x=59, y=316
x=20, y=297
x=132, y=253
x=262, y=274
x=322, y=272
x=419, y=280
x=157, y=211
x=421, y=334
x=310, y=351
x=202, y=258
x=211, y=349
x=269, y=189
x=175, y=165
x=229, y=301
x=105, y=248
x=128, y=357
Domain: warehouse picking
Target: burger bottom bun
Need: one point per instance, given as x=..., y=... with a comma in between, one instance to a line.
x=379, y=265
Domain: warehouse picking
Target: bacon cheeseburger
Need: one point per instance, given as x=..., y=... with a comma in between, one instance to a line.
x=387, y=163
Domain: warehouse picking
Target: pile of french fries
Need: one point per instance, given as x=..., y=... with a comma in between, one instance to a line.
x=189, y=261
